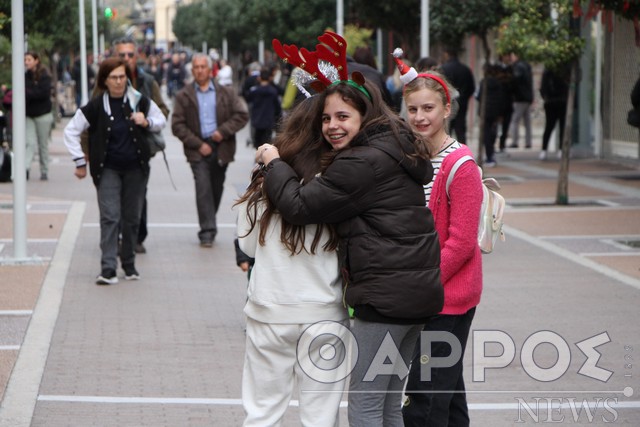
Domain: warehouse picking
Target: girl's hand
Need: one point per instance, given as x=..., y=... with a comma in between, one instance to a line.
x=266, y=153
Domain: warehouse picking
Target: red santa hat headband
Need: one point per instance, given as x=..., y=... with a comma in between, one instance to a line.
x=408, y=74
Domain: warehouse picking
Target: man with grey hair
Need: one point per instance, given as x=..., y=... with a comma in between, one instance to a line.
x=144, y=83
x=206, y=118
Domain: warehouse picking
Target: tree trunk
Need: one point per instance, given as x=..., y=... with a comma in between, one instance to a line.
x=562, y=195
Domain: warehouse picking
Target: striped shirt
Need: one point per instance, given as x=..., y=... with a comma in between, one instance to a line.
x=437, y=163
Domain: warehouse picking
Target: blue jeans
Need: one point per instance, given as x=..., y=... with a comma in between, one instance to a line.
x=209, y=176
x=448, y=405
x=120, y=198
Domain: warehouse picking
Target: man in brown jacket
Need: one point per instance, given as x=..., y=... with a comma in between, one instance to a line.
x=206, y=117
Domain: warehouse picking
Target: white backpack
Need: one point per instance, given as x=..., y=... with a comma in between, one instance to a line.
x=491, y=211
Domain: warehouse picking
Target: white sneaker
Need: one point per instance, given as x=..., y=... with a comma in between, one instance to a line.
x=542, y=155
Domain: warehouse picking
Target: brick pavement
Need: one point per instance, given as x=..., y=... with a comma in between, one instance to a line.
x=168, y=350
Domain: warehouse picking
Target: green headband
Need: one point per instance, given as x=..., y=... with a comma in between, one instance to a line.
x=354, y=84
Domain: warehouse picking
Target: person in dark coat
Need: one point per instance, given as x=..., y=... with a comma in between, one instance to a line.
x=461, y=78
x=265, y=108
x=206, y=118
x=493, y=92
x=554, y=89
x=522, y=90
x=364, y=62
x=506, y=79
x=39, y=118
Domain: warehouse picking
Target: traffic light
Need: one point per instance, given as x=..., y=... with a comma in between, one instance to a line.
x=110, y=13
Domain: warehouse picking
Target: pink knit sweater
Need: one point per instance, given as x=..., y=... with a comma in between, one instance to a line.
x=456, y=222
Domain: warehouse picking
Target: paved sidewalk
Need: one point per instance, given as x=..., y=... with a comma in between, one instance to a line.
x=168, y=350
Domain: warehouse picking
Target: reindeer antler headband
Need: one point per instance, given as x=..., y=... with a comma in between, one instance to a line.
x=408, y=74
x=326, y=66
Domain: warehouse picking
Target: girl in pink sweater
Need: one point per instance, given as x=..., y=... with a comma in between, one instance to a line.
x=456, y=215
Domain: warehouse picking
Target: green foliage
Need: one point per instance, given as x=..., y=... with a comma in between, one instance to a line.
x=244, y=22
x=451, y=21
x=531, y=32
x=400, y=16
x=5, y=60
x=356, y=37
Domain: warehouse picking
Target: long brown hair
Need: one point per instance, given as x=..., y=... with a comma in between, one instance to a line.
x=40, y=69
x=300, y=145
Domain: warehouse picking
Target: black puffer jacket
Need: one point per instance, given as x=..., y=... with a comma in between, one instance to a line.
x=389, y=250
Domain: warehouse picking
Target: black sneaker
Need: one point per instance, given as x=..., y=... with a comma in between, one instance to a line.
x=107, y=277
x=130, y=273
x=140, y=249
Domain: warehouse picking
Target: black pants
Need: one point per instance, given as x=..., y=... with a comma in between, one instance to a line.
x=504, y=132
x=554, y=112
x=489, y=138
x=459, y=124
x=262, y=136
x=142, y=228
x=447, y=407
x=209, y=175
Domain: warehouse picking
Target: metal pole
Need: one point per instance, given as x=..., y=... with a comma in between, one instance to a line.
x=597, y=119
x=83, y=56
x=424, y=28
x=94, y=25
x=225, y=49
x=97, y=61
x=19, y=131
x=340, y=17
x=261, y=51
x=379, y=49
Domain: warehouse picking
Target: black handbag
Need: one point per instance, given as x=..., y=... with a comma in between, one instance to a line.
x=156, y=142
x=633, y=118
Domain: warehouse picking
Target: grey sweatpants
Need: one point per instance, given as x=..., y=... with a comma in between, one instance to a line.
x=375, y=385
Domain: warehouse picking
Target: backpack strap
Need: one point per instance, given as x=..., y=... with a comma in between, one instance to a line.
x=455, y=167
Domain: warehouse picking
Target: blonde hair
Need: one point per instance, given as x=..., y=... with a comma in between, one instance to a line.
x=424, y=82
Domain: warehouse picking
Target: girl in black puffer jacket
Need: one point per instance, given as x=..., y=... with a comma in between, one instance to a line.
x=372, y=189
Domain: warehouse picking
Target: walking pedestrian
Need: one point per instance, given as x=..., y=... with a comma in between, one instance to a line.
x=118, y=155
x=554, y=90
x=145, y=83
x=39, y=118
x=371, y=188
x=294, y=291
x=265, y=108
x=225, y=74
x=205, y=119
x=522, y=84
x=492, y=91
x=506, y=79
x=436, y=396
x=176, y=75
x=461, y=78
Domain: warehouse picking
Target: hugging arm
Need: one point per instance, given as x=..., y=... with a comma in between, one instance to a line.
x=337, y=195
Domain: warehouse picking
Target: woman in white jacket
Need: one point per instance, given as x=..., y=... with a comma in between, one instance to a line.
x=296, y=323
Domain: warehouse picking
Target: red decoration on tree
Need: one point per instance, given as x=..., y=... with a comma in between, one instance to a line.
x=624, y=8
